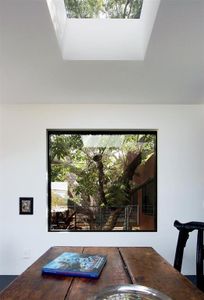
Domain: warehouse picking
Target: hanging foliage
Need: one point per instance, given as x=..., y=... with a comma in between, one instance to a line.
x=120, y=9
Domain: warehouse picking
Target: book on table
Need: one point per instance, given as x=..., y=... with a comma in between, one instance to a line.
x=76, y=265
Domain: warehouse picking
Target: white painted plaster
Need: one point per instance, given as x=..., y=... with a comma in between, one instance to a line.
x=23, y=173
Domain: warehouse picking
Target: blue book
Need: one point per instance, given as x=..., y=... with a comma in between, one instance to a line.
x=76, y=264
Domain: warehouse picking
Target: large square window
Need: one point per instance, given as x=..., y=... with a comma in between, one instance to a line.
x=102, y=180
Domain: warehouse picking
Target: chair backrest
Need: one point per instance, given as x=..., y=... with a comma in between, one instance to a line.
x=184, y=229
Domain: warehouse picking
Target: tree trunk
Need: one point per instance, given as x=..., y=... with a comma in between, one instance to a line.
x=126, y=177
x=130, y=170
x=112, y=219
x=125, y=9
x=98, y=160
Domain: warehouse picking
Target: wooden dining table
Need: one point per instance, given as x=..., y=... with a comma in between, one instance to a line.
x=125, y=265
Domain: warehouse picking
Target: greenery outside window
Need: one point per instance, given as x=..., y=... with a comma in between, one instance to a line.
x=94, y=175
x=117, y=9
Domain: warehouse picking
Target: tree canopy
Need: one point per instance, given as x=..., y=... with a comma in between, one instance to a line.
x=102, y=173
x=120, y=9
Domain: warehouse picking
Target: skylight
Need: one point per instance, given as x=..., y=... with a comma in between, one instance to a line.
x=103, y=9
x=102, y=34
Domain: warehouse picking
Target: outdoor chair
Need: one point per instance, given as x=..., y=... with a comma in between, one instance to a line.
x=184, y=229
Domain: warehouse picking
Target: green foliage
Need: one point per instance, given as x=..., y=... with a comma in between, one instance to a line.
x=123, y=9
x=144, y=143
x=147, y=146
x=117, y=195
x=61, y=147
x=59, y=173
x=83, y=8
x=72, y=162
x=87, y=184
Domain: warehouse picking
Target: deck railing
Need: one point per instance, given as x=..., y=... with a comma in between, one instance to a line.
x=96, y=218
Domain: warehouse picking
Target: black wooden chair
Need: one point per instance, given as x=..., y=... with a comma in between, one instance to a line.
x=184, y=229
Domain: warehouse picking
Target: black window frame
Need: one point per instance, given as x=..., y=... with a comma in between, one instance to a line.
x=50, y=132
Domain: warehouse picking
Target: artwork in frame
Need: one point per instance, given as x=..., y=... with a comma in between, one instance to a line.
x=102, y=180
x=25, y=206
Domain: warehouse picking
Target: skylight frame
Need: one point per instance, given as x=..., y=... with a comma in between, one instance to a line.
x=103, y=39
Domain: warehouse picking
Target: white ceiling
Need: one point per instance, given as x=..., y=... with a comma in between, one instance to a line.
x=32, y=70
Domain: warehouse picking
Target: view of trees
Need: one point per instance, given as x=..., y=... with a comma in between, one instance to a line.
x=98, y=169
x=120, y=9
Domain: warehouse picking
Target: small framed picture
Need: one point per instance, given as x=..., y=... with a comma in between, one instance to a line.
x=25, y=206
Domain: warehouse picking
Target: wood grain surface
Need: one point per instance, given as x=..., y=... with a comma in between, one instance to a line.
x=137, y=265
x=147, y=267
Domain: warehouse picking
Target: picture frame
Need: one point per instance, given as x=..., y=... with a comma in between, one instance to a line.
x=26, y=206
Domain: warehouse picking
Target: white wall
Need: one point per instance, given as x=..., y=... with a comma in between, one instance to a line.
x=23, y=173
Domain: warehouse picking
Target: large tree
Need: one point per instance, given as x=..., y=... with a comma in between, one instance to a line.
x=98, y=177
